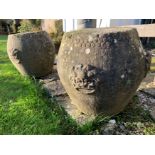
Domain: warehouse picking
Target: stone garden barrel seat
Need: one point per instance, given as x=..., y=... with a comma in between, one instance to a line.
x=32, y=53
x=102, y=68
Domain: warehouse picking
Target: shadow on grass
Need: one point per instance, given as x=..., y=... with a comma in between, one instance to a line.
x=25, y=109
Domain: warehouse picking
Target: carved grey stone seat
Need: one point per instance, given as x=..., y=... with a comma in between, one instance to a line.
x=101, y=69
x=32, y=53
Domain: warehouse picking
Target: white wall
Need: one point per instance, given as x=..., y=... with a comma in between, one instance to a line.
x=103, y=23
x=121, y=22
x=71, y=24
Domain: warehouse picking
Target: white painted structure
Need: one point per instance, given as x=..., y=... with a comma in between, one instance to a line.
x=122, y=22
x=71, y=24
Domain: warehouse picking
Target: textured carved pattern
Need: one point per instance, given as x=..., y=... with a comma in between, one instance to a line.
x=96, y=42
x=85, y=78
x=16, y=54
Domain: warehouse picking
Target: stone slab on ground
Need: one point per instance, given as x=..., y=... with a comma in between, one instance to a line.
x=54, y=88
x=146, y=91
x=148, y=82
x=146, y=94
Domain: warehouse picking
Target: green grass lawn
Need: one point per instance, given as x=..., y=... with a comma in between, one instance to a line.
x=25, y=108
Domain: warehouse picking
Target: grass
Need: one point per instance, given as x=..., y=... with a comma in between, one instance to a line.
x=153, y=64
x=25, y=108
x=3, y=38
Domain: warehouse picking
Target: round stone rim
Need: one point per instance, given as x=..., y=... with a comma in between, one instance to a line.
x=102, y=30
x=28, y=33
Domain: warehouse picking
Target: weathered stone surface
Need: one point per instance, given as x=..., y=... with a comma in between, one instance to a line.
x=101, y=69
x=146, y=101
x=109, y=128
x=146, y=92
x=148, y=82
x=63, y=100
x=53, y=87
x=32, y=53
x=150, y=92
x=152, y=113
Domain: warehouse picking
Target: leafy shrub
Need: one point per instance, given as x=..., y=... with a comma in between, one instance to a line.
x=32, y=25
x=57, y=36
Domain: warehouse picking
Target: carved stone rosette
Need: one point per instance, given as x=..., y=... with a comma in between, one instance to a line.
x=101, y=69
x=32, y=53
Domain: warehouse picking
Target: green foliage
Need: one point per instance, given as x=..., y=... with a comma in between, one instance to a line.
x=150, y=129
x=152, y=68
x=36, y=22
x=29, y=26
x=57, y=36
